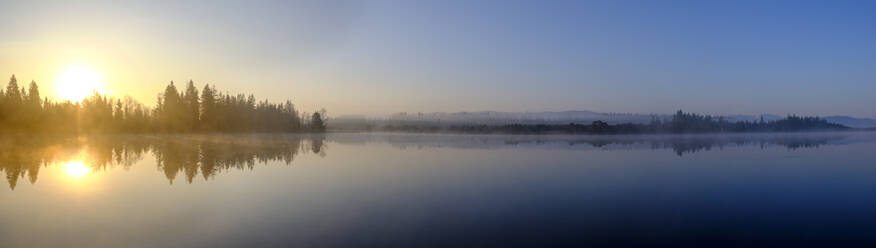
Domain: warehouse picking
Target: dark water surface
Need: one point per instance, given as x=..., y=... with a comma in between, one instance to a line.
x=439, y=190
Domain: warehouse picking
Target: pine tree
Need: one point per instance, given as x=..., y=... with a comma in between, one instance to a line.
x=33, y=94
x=13, y=94
x=12, y=105
x=208, y=108
x=172, y=109
x=192, y=107
x=317, y=124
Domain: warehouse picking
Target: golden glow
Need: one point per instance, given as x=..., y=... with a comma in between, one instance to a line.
x=78, y=82
x=76, y=169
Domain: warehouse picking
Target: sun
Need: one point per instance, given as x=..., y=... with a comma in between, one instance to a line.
x=78, y=82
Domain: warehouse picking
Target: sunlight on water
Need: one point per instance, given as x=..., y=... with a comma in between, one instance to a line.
x=330, y=190
x=76, y=169
x=77, y=178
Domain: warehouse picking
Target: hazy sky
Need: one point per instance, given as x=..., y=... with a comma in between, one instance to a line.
x=380, y=57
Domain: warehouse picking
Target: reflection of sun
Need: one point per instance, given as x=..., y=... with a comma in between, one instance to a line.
x=77, y=83
x=76, y=169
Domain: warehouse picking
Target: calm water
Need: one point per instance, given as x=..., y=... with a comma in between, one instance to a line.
x=438, y=190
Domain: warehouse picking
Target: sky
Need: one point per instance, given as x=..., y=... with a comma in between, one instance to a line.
x=380, y=57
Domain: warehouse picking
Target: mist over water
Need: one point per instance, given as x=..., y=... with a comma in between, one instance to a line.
x=373, y=189
x=591, y=123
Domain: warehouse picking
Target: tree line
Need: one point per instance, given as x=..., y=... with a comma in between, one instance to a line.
x=177, y=111
x=679, y=123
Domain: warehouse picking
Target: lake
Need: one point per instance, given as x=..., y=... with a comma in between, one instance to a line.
x=351, y=189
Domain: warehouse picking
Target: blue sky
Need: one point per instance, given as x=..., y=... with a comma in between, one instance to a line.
x=379, y=57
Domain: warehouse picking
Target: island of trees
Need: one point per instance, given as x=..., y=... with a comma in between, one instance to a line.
x=178, y=111
x=679, y=123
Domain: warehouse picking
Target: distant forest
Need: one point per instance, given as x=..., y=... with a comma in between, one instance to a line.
x=679, y=123
x=24, y=110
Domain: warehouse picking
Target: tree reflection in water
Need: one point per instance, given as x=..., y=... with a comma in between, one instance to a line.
x=679, y=144
x=208, y=155
x=192, y=155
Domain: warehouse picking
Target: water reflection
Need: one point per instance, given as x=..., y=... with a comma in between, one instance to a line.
x=190, y=155
x=209, y=155
x=76, y=169
x=205, y=156
x=679, y=144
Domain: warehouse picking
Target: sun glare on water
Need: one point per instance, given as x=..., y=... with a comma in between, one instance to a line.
x=78, y=82
x=76, y=169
